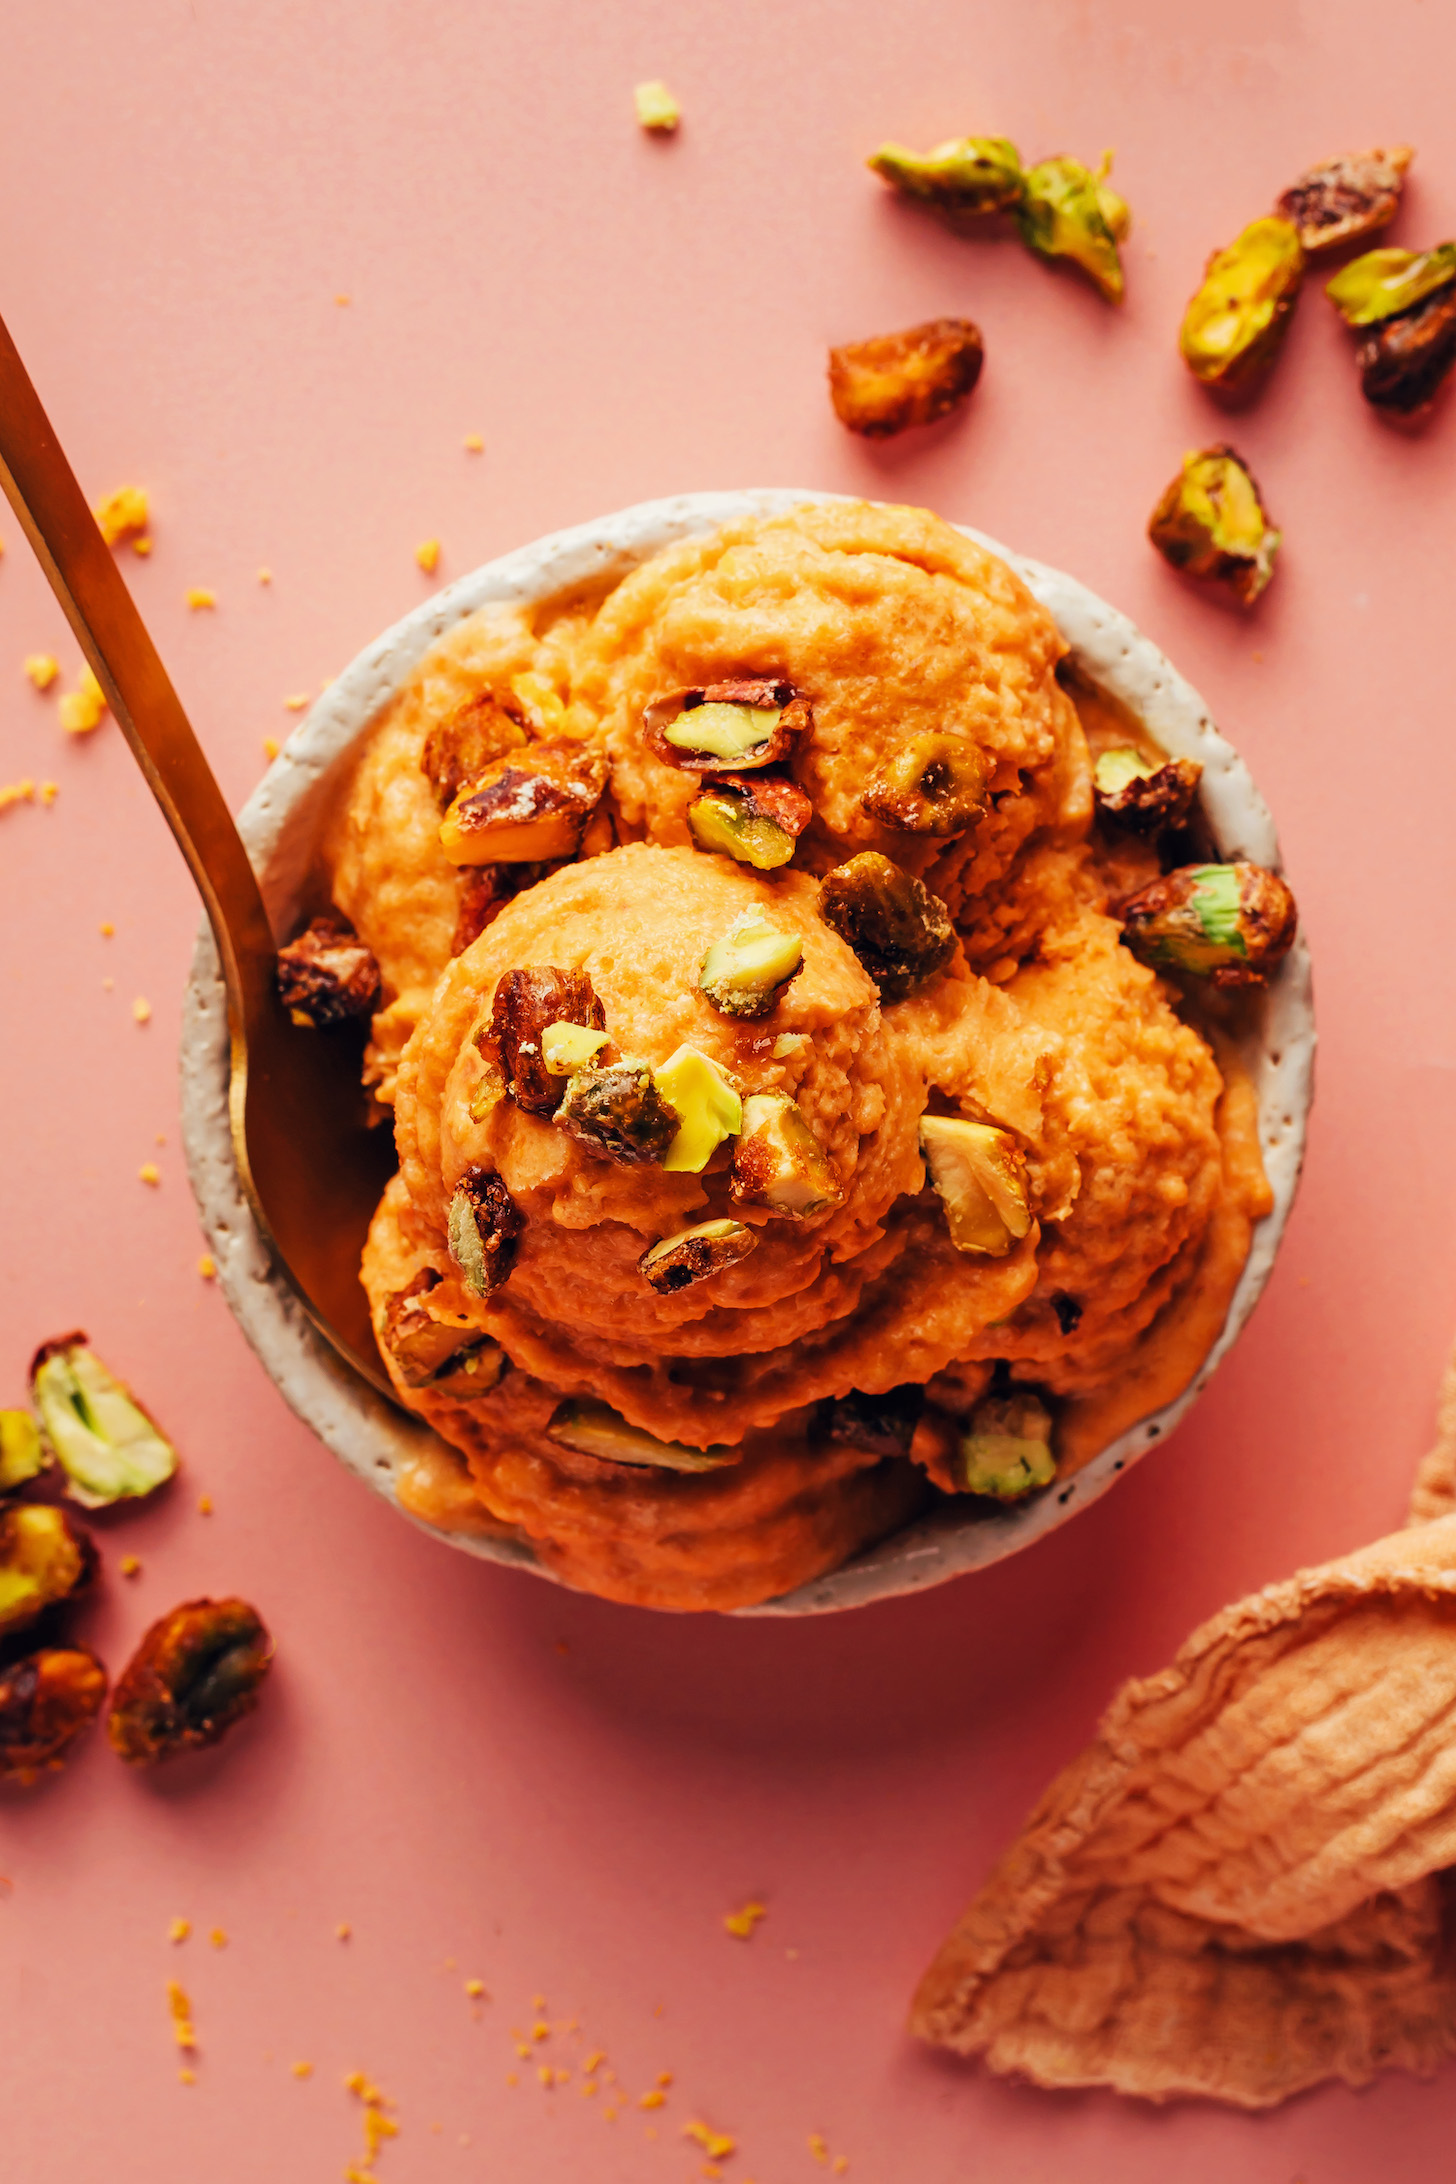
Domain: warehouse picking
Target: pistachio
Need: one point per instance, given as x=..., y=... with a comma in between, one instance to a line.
x=524, y=1005
x=195, y=1674
x=727, y=727
x=527, y=808
x=471, y=1372
x=617, y=1112
x=1404, y=361
x=883, y=1424
x=424, y=1336
x=1142, y=795
x=1236, y=321
x=46, y=1701
x=707, y=1105
x=23, y=1453
x=458, y=749
x=934, y=784
x=966, y=175
x=484, y=1225
x=980, y=1173
x=1005, y=1450
x=1343, y=200
x=755, y=819
x=105, y=1443
x=747, y=971
x=43, y=1559
x=488, y=1092
x=1386, y=283
x=327, y=974
x=568, y=1047
x=594, y=1429
x=901, y=933
x=779, y=1163
x=693, y=1254
x=1211, y=522
x=1228, y=923
x=893, y=381
x=1064, y=214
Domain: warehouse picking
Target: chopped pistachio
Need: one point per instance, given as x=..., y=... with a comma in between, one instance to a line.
x=778, y=1162
x=746, y=972
x=934, y=784
x=1343, y=200
x=695, y=1253
x=23, y=1453
x=1144, y=794
x=656, y=107
x=1384, y=283
x=980, y=1173
x=617, y=1112
x=887, y=384
x=594, y=1429
x=1005, y=1451
x=43, y=1560
x=727, y=727
x=525, y=1003
x=884, y=1424
x=707, y=1105
x=46, y=1700
x=1211, y=522
x=566, y=1048
x=754, y=820
x=1228, y=923
x=529, y=807
x=1063, y=214
x=424, y=1335
x=105, y=1443
x=484, y=1225
x=1404, y=361
x=1236, y=320
x=901, y=933
x=966, y=174
x=489, y=1091
x=195, y=1674
x=471, y=1372
x=459, y=748
x=327, y=974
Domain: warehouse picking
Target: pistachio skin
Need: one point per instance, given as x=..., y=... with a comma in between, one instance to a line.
x=1211, y=522
x=901, y=933
x=1229, y=924
x=975, y=175
x=196, y=1673
x=727, y=727
x=695, y=1254
x=892, y=382
x=1063, y=214
x=1237, y=318
x=1005, y=1450
x=524, y=1004
x=46, y=1701
x=1404, y=362
x=934, y=784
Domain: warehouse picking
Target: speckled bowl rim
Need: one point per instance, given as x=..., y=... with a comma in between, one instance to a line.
x=280, y=824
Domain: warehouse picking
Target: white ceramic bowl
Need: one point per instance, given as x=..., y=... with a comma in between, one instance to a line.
x=280, y=825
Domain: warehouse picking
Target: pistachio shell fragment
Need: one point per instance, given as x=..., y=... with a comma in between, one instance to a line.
x=965, y=174
x=104, y=1442
x=566, y=1048
x=44, y=1559
x=1343, y=200
x=753, y=818
x=525, y=1003
x=727, y=727
x=483, y=1227
x=196, y=1673
x=901, y=933
x=1236, y=320
x=530, y=807
x=935, y=784
x=747, y=972
x=46, y=1701
x=594, y=1429
x=707, y=1104
x=426, y=1339
x=617, y=1112
x=23, y=1453
x=893, y=381
x=1005, y=1451
x=693, y=1254
x=1384, y=283
x=1064, y=214
x=1211, y=522
x=1228, y=923
x=1141, y=794
x=1403, y=362
x=980, y=1174
x=779, y=1163
x=327, y=975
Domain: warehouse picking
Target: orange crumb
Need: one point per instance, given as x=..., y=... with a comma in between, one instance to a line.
x=543, y=2072
x=474, y=445
x=123, y=514
x=475, y=1988
x=265, y=576
x=207, y=1267
x=523, y=2051
x=840, y=2164
x=141, y=1009
x=513, y=2077
x=106, y=928
x=17, y=792
x=183, y=2030
x=428, y=555
x=538, y=2003
x=740, y=1924
x=563, y=2077
x=817, y=2146
x=142, y=546
x=49, y=791
x=664, y=2077
x=303, y=2070
x=218, y=1938
x=187, y=2077
x=540, y=2032
x=107, y=984
x=83, y=708
x=655, y=2099
x=341, y=299
x=204, y=1505
x=343, y=1933
x=129, y=1566
x=199, y=596
x=715, y=2144
x=179, y=1928
x=297, y=703
x=595, y=2060
x=270, y=746
x=589, y=2087
x=42, y=668
x=149, y=1172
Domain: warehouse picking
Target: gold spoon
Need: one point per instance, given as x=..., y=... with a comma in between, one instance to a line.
x=311, y=1168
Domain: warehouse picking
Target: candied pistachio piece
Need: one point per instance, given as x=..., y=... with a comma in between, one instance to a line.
x=195, y=1674
x=525, y=1003
x=1142, y=794
x=594, y=1429
x=934, y=784
x=617, y=1112
x=458, y=749
x=1211, y=522
x=1237, y=318
x=1343, y=200
x=1385, y=283
x=104, y=1441
x=965, y=174
x=530, y=807
x=727, y=727
x=1228, y=923
x=883, y=1424
x=693, y=1254
x=1005, y=1449
x=484, y=892
x=747, y=972
x=46, y=1700
x=755, y=819
x=980, y=1174
x=887, y=384
x=43, y=1559
x=901, y=933
x=23, y=1453
x=327, y=974
x=422, y=1334
x=568, y=1047
x=483, y=1227
x=707, y=1104
x=1404, y=361
x=779, y=1163
x=1064, y=214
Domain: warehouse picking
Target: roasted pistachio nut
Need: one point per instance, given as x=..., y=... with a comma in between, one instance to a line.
x=459, y=748
x=1404, y=361
x=46, y=1701
x=1343, y=200
x=484, y=892
x=883, y=1424
x=423, y=1335
x=44, y=1559
x=754, y=818
x=1064, y=214
x=327, y=975
x=23, y=1453
x=1137, y=793
x=484, y=1225
x=1237, y=318
x=1386, y=283
x=980, y=1175
x=1005, y=1450
x=707, y=1104
x=693, y=1254
x=901, y=933
x=530, y=807
x=728, y=727
x=779, y=1163
x=104, y=1441
x=934, y=784
x=525, y=1003
x=196, y=1673
x=887, y=384
x=593, y=1429
x=965, y=175
x=1228, y=923
x=747, y=972
x=1211, y=522
x=616, y=1111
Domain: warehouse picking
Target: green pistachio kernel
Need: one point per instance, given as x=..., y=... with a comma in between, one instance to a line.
x=745, y=972
x=1239, y=315
x=1386, y=282
x=566, y=1048
x=980, y=1175
x=1006, y=1449
x=707, y=1105
x=967, y=174
x=1211, y=522
x=23, y=1454
x=594, y=1429
x=726, y=821
x=1064, y=215
x=107, y=1446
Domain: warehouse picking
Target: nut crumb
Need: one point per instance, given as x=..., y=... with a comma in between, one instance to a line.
x=655, y=2099
x=49, y=791
x=303, y=2070
x=343, y=1932
x=207, y=1267
x=265, y=576
x=184, y=2032
x=657, y=110
x=82, y=709
x=428, y=555
x=740, y=1924
x=141, y=1009
x=475, y=1988
x=150, y=1173
x=106, y=928
x=125, y=514
x=130, y=1566
x=271, y=747
x=298, y=703
x=473, y=444
x=204, y=1505
x=218, y=1938
x=17, y=792
x=42, y=669
x=199, y=596
x=179, y=1930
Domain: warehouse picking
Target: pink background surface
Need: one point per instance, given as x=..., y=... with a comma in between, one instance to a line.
x=486, y=1778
